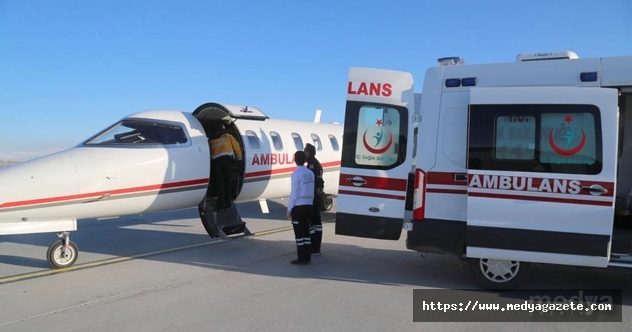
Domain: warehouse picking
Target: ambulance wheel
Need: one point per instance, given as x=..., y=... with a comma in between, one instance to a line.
x=329, y=203
x=499, y=274
x=56, y=256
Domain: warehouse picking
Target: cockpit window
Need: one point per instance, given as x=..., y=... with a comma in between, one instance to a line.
x=144, y=132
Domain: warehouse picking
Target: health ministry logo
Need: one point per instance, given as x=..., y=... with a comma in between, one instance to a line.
x=564, y=142
x=380, y=146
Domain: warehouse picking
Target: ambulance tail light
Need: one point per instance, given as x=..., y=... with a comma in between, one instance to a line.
x=419, y=197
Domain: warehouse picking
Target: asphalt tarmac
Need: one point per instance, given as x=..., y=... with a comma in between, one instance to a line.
x=161, y=272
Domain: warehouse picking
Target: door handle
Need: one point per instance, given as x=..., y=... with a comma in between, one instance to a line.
x=596, y=189
x=460, y=177
x=358, y=181
x=101, y=198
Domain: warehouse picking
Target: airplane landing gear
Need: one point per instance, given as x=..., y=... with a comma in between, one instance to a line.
x=62, y=253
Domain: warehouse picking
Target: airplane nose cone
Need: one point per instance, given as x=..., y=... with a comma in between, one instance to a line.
x=38, y=182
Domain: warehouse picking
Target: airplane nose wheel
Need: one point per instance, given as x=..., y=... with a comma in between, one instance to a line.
x=62, y=253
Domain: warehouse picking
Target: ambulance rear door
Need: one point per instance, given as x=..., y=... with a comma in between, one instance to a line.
x=376, y=154
x=541, y=174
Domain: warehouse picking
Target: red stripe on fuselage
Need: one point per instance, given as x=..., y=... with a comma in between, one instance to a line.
x=101, y=193
x=98, y=194
x=288, y=170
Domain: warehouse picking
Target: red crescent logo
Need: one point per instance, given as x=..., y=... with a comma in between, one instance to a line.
x=570, y=152
x=378, y=151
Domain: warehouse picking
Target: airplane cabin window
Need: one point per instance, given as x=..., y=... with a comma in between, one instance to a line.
x=276, y=141
x=334, y=142
x=317, y=143
x=298, y=141
x=253, y=140
x=141, y=132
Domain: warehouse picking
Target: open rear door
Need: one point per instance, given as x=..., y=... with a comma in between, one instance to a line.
x=541, y=174
x=376, y=154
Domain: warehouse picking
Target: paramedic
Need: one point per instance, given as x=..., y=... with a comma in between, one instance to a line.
x=225, y=151
x=316, y=225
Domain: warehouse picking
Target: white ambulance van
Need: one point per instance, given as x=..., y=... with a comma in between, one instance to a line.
x=503, y=164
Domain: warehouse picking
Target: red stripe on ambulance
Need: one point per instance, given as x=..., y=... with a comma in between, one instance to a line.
x=533, y=184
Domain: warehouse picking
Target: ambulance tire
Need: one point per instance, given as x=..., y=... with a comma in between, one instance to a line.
x=328, y=203
x=499, y=274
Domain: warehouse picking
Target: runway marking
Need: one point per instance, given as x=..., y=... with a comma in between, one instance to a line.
x=25, y=276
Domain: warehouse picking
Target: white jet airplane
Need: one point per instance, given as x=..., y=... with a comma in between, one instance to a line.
x=156, y=161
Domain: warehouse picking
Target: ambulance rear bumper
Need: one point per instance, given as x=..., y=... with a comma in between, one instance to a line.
x=368, y=227
x=437, y=236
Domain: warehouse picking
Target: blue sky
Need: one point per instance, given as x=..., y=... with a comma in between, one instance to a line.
x=70, y=68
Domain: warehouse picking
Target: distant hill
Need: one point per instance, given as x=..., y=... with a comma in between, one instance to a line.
x=10, y=158
x=8, y=162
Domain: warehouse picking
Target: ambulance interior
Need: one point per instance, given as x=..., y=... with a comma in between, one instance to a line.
x=622, y=233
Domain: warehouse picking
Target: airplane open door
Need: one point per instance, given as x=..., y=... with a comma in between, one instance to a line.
x=210, y=113
x=541, y=174
x=376, y=154
x=217, y=111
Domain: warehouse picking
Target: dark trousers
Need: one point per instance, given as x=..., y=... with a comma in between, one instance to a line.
x=316, y=226
x=222, y=171
x=300, y=220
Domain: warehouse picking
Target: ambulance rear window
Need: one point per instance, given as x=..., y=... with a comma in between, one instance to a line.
x=535, y=138
x=515, y=137
x=378, y=136
x=375, y=136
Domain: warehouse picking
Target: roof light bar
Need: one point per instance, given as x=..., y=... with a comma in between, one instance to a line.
x=468, y=81
x=452, y=82
x=588, y=76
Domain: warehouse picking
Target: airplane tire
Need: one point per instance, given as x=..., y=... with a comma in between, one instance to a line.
x=499, y=274
x=55, y=258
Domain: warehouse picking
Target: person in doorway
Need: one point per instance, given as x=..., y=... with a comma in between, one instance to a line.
x=316, y=226
x=225, y=152
x=299, y=207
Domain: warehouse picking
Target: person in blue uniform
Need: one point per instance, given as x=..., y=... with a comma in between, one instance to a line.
x=316, y=227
